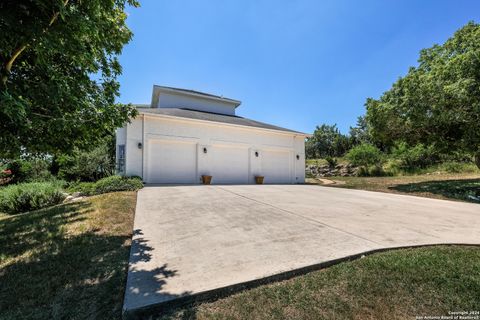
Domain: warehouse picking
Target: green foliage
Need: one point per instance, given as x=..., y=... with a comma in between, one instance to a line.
x=332, y=162
x=25, y=197
x=418, y=156
x=438, y=102
x=33, y=170
x=453, y=167
x=108, y=184
x=87, y=165
x=365, y=155
x=84, y=188
x=117, y=183
x=361, y=132
x=327, y=141
x=458, y=167
x=58, y=73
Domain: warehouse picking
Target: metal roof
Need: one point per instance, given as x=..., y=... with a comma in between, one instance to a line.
x=214, y=117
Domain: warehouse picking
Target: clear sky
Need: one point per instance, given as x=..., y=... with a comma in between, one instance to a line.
x=295, y=64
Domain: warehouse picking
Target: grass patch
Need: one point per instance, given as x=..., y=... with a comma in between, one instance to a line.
x=68, y=261
x=391, y=285
x=440, y=186
x=466, y=190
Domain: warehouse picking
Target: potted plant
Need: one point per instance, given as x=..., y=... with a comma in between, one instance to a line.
x=206, y=179
x=259, y=179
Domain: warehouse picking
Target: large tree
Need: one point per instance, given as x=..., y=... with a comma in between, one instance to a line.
x=327, y=141
x=58, y=71
x=436, y=103
x=360, y=133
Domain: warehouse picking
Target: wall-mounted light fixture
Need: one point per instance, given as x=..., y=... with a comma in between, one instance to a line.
x=298, y=157
x=256, y=154
x=139, y=145
x=204, y=150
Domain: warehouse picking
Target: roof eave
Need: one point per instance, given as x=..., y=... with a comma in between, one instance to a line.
x=223, y=123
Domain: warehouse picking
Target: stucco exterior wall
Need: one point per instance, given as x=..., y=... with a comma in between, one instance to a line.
x=134, y=154
x=251, y=144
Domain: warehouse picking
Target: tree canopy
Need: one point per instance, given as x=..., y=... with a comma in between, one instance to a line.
x=327, y=141
x=59, y=67
x=438, y=102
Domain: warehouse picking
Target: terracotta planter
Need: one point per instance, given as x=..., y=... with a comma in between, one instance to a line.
x=259, y=179
x=206, y=179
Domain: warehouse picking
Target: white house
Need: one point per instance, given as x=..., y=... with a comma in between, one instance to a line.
x=184, y=134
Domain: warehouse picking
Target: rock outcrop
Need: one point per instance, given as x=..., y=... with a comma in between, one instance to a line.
x=342, y=170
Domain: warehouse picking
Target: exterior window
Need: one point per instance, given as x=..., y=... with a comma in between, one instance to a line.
x=121, y=159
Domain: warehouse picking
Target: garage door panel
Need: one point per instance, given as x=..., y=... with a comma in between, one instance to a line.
x=171, y=161
x=276, y=166
x=229, y=164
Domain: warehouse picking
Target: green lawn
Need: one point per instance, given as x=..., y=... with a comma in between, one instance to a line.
x=68, y=261
x=398, y=284
x=464, y=187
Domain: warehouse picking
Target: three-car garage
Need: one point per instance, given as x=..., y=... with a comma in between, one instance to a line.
x=183, y=161
x=184, y=135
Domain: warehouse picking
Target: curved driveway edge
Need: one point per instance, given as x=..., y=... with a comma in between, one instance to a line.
x=193, y=240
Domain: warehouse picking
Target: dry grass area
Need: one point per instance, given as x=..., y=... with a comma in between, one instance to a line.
x=399, y=284
x=459, y=186
x=67, y=261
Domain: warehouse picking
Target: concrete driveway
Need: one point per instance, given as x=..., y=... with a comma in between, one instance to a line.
x=193, y=239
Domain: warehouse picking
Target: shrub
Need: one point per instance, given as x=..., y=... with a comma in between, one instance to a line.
x=90, y=165
x=332, y=162
x=117, y=183
x=105, y=185
x=84, y=188
x=458, y=167
x=33, y=170
x=25, y=197
x=418, y=156
x=365, y=155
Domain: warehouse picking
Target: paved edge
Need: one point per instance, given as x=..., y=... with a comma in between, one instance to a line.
x=222, y=292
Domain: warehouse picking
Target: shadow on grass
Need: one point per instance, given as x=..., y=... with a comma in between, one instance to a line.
x=466, y=190
x=56, y=274
x=70, y=261
x=49, y=271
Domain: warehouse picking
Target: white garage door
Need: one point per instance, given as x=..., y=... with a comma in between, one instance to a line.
x=276, y=166
x=229, y=164
x=171, y=161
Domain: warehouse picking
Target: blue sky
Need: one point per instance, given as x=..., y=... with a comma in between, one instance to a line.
x=295, y=64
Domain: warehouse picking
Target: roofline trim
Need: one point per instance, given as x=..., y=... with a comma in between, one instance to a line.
x=286, y=132
x=195, y=94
